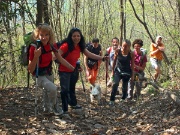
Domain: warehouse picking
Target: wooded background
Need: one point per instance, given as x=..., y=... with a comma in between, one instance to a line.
x=104, y=19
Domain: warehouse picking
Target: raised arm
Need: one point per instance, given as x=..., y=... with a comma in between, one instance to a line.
x=62, y=60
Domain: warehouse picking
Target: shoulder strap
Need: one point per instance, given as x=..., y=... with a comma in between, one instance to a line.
x=89, y=47
x=142, y=57
x=32, y=44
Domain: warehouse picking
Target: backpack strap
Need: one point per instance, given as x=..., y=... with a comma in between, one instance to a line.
x=32, y=44
x=142, y=57
x=110, y=49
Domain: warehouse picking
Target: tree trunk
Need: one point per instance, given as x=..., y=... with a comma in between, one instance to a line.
x=6, y=21
x=39, y=16
x=122, y=20
x=46, y=12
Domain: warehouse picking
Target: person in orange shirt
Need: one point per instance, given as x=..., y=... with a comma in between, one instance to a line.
x=156, y=56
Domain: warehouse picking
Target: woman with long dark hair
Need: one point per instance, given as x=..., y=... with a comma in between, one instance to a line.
x=72, y=46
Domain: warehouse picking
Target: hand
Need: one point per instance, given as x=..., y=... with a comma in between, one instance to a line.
x=105, y=58
x=132, y=78
x=87, y=72
x=37, y=52
x=80, y=69
x=54, y=58
x=155, y=45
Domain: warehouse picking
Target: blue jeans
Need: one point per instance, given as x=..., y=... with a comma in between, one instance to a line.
x=68, y=82
x=117, y=78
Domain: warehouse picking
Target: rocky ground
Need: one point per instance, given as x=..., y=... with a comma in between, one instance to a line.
x=153, y=114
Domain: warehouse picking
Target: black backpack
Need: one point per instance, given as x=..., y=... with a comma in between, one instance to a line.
x=92, y=62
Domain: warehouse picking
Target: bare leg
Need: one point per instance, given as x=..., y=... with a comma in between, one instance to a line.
x=158, y=71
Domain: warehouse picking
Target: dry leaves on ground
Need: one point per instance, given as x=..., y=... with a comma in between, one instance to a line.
x=151, y=114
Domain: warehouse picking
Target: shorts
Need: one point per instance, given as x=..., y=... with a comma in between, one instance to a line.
x=155, y=63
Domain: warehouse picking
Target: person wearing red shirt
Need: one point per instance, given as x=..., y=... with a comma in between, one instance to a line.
x=42, y=57
x=74, y=44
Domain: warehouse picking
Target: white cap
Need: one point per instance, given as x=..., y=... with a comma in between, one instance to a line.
x=158, y=38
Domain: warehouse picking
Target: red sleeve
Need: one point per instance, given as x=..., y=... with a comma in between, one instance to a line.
x=64, y=48
x=31, y=53
x=108, y=50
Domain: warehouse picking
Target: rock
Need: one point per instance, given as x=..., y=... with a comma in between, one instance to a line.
x=98, y=126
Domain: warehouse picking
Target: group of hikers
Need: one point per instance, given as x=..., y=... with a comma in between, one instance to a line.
x=125, y=64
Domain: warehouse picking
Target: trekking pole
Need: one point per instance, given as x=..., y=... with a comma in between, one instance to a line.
x=106, y=65
x=37, y=70
x=84, y=91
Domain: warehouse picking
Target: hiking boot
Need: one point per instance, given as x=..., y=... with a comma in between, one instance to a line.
x=76, y=107
x=111, y=103
x=122, y=100
x=65, y=115
x=47, y=111
x=57, y=111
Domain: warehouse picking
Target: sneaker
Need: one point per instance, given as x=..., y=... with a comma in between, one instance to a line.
x=76, y=107
x=129, y=99
x=122, y=100
x=47, y=111
x=65, y=115
x=111, y=103
x=57, y=111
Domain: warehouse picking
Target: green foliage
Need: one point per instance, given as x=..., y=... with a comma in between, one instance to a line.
x=151, y=90
x=96, y=19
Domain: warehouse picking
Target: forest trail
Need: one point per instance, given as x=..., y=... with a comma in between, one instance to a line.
x=153, y=113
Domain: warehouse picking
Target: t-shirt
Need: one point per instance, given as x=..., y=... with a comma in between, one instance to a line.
x=111, y=52
x=46, y=56
x=94, y=50
x=72, y=57
x=157, y=55
x=139, y=59
x=123, y=62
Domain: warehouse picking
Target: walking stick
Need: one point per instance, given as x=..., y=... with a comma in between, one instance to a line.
x=106, y=62
x=84, y=92
x=37, y=70
x=106, y=65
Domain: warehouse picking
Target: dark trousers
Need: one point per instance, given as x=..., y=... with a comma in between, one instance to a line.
x=117, y=78
x=68, y=82
x=137, y=84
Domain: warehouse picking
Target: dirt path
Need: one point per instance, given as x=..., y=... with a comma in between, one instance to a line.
x=152, y=114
